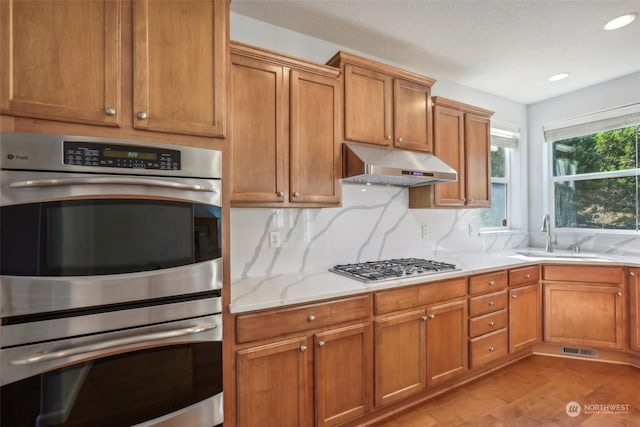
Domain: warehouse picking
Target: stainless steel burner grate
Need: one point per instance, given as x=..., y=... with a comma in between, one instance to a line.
x=376, y=271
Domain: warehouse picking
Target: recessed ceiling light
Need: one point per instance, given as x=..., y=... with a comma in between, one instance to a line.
x=559, y=76
x=620, y=21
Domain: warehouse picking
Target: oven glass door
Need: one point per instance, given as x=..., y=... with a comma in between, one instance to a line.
x=91, y=237
x=121, y=390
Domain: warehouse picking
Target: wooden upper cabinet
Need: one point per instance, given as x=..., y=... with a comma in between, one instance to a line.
x=462, y=140
x=367, y=111
x=384, y=105
x=60, y=60
x=179, y=66
x=284, y=130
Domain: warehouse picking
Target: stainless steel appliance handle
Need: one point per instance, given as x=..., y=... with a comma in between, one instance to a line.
x=113, y=343
x=62, y=182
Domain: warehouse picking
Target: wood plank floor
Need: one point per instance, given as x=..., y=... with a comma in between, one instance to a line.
x=535, y=392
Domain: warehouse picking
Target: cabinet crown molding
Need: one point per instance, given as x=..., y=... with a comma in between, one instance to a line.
x=457, y=105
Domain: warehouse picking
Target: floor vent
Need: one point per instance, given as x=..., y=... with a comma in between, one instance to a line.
x=576, y=351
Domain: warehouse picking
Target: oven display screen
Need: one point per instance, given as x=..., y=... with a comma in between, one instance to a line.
x=130, y=155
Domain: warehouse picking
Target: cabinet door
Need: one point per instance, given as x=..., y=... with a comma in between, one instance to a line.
x=634, y=309
x=584, y=315
x=476, y=149
x=259, y=105
x=447, y=336
x=367, y=106
x=314, y=153
x=400, y=362
x=448, y=145
x=179, y=66
x=67, y=68
x=412, y=116
x=274, y=385
x=525, y=321
x=343, y=374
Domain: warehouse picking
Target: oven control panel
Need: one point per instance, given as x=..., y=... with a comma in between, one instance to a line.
x=120, y=156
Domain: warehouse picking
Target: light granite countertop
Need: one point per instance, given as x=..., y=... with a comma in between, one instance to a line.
x=257, y=293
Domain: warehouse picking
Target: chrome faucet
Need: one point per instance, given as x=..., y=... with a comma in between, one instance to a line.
x=546, y=228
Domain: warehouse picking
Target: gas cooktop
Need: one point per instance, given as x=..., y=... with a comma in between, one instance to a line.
x=377, y=271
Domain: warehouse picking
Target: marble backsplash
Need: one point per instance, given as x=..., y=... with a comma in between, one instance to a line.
x=373, y=223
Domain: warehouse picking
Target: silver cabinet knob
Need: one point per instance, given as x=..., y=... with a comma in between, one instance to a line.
x=431, y=316
x=492, y=303
x=514, y=296
x=388, y=137
x=491, y=282
x=142, y=115
x=619, y=293
x=296, y=194
x=303, y=348
x=492, y=323
x=110, y=111
x=321, y=343
x=280, y=194
x=527, y=276
x=400, y=139
x=423, y=318
x=311, y=318
x=492, y=349
x=632, y=273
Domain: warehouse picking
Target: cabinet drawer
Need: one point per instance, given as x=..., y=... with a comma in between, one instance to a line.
x=489, y=282
x=487, y=323
x=524, y=275
x=416, y=296
x=587, y=274
x=489, y=347
x=270, y=324
x=487, y=303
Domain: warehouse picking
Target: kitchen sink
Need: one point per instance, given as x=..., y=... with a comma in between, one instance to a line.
x=540, y=253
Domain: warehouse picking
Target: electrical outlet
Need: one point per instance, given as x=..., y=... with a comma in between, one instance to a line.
x=471, y=229
x=425, y=231
x=274, y=239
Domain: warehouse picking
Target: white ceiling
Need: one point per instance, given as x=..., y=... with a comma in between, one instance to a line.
x=504, y=47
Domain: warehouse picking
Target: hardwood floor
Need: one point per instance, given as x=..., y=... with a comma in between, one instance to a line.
x=535, y=392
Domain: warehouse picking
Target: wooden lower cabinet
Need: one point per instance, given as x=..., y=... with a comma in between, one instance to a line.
x=590, y=315
x=634, y=309
x=274, y=383
x=279, y=384
x=525, y=317
x=419, y=348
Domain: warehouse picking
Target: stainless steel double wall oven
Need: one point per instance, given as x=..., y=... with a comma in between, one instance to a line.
x=110, y=286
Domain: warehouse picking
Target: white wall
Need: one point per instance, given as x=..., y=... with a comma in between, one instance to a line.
x=372, y=225
x=614, y=93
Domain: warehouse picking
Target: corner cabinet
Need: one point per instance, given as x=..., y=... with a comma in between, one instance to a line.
x=584, y=306
x=81, y=62
x=384, y=105
x=461, y=138
x=322, y=375
x=634, y=309
x=284, y=130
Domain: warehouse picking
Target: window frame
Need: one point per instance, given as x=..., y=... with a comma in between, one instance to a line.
x=506, y=180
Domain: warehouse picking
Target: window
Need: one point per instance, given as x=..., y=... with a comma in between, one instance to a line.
x=595, y=171
x=502, y=143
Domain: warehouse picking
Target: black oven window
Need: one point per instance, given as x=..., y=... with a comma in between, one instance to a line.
x=91, y=237
x=116, y=391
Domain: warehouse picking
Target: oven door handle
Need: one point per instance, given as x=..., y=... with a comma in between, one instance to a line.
x=148, y=182
x=112, y=344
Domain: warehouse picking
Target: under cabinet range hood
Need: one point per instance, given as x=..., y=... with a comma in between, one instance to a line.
x=376, y=165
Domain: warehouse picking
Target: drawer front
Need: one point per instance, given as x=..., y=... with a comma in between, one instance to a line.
x=487, y=303
x=488, y=323
x=488, y=348
x=524, y=275
x=421, y=295
x=274, y=323
x=585, y=274
x=489, y=282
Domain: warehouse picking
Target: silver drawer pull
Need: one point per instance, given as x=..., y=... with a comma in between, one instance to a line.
x=321, y=343
x=491, y=282
x=114, y=343
x=619, y=293
x=311, y=318
x=432, y=316
x=514, y=296
x=303, y=348
x=492, y=303
x=492, y=349
x=527, y=276
x=492, y=323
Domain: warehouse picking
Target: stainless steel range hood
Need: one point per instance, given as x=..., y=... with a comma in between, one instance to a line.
x=376, y=165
